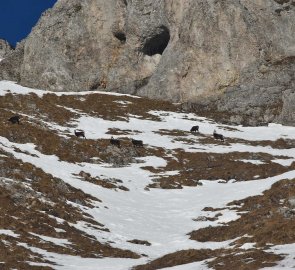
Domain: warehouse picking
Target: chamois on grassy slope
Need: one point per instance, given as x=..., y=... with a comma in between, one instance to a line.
x=14, y=119
x=218, y=136
x=195, y=129
x=137, y=143
x=80, y=133
x=115, y=142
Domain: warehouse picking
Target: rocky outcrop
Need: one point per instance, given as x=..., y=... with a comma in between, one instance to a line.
x=5, y=48
x=11, y=62
x=233, y=57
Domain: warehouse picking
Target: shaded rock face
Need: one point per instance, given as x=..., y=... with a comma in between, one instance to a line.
x=10, y=65
x=5, y=48
x=231, y=56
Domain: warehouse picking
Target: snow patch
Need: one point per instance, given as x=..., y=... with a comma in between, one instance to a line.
x=56, y=241
x=9, y=233
x=288, y=262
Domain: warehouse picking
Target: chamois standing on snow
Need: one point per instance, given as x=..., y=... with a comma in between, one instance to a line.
x=115, y=142
x=80, y=133
x=218, y=136
x=137, y=143
x=14, y=119
x=195, y=129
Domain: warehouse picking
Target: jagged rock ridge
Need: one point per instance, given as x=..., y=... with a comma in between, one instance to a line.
x=5, y=48
x=234, y=57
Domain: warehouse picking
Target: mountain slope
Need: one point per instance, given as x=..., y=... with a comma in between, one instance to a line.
x=235, y=57
x=184, y=200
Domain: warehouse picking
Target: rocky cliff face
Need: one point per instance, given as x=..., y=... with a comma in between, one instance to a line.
x=5, y=48
x=235, y=57
x=10, y=65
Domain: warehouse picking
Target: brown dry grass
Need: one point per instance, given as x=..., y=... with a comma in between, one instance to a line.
x=109, y=183
x=193, y=167
x=262, y=219
x=172, y=132
x=37, y=112
x=30, y=203
x=110, y=108
x=139, y=242
x=16, y=257
x=225, y=259
x=117, y=131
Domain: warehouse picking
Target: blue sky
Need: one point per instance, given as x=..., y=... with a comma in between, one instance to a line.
x=17, y=17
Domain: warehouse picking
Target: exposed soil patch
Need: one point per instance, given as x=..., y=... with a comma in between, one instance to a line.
x=38, y=112
x=244, y=260
x=118, y=132
x=225, y=259
x=16, y=256
x=106, y=183
x=114, y=108
x=193, y=167
x=44, y=108
x=62, y=109
x=268, y=219
x=69, y=149
x=278, y=144
x=172, y=132
x=49, y=142
x=140, y=242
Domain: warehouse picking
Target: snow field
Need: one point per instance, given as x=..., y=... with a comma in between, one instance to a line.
x=161, y=217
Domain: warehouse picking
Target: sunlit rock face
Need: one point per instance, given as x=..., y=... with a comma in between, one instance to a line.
x=229, y=56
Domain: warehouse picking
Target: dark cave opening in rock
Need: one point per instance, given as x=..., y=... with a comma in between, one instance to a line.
x=120, y=36
x=157, y=43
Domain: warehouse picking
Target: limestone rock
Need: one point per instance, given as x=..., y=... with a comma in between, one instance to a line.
x=119, y=157
x=5, y=48
x=235, y=58
x=10, y=66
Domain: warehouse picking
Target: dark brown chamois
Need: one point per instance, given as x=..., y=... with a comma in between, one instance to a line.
x=195, y=129
x=80, y=133
x=115, y=142
x=14, y=119
x=137, y=143
x=218, y=136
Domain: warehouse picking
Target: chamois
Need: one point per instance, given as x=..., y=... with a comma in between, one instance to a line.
x=115, y=142
x=80, y=133
x=218, y=136
x=14, y=119
x=137, y=143
x=195, y=129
